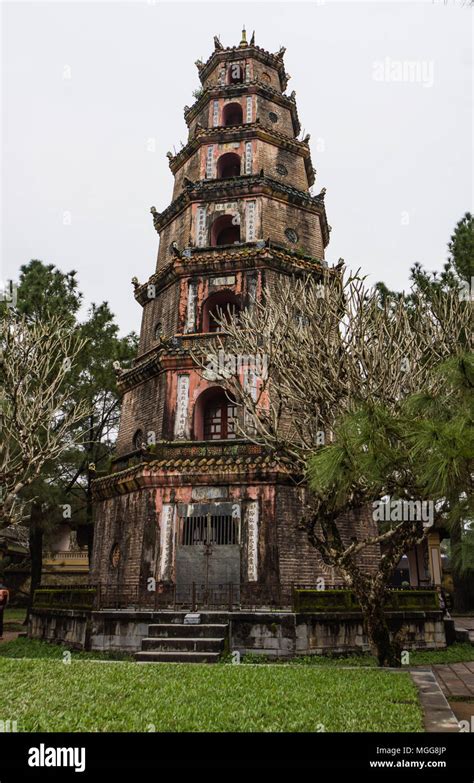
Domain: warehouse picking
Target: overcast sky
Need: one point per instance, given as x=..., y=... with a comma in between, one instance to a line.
x=90, y=89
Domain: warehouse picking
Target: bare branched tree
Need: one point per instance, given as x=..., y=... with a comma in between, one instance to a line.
x=327, y=346
x=36, y=413
x=330, y=350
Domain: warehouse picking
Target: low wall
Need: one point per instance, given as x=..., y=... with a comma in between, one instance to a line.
x=70, y=627
x=275, y=634
x=287, y=635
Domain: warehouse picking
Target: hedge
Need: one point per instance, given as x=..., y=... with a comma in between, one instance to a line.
x=310, y=600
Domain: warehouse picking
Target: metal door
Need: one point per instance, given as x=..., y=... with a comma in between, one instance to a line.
x=208, y=555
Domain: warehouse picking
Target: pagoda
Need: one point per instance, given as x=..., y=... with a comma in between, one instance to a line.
x=190, y=507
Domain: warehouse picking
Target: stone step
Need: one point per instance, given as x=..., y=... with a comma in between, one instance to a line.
x=169, y=617
x=176, y=644
x=153, y=656
x=179, y=630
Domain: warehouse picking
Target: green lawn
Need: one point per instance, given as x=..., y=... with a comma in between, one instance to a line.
x=13, y=619
x=35, y=648
x=14, y=614
x=86, y=695
x=456, y=653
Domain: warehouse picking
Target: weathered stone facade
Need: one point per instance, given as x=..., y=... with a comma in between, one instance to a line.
x=199, y=505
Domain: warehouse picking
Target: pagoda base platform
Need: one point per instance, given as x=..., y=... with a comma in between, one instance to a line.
x=275, y=634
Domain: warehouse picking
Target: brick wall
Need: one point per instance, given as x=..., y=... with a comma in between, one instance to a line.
x=270, y=156
x=179, y=231
x=284, y=123
x=299, y=561
x=162, y=309
x=130, y=521
x=141, y=409
x=278, y=216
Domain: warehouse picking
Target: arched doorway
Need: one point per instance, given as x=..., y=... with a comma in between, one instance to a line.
x=221, y=304
x=215, y=415
x=228, y=166
x=232, y=114
x=224, y=231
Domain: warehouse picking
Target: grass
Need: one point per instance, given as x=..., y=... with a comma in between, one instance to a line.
x=86, y=695
x=13, y=619
x=14, y=614
x=35, y=648
x=456, y=653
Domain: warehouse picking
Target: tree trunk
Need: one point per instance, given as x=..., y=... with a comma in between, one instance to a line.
x=463, y=592
x=90, y=526
x=387, y=650
x=463, y=583
x=36, y=553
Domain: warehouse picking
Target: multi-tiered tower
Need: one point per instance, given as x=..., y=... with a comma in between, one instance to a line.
x=200, y=505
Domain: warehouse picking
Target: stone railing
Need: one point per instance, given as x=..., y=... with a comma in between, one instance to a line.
x=246, y=596
x=73, y=561
x=66, y=555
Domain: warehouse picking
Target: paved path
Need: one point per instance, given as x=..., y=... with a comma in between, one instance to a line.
x=457, y=683
x=456, y=679
x=437, y=713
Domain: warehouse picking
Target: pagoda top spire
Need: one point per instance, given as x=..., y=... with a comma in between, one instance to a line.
x=244, y=49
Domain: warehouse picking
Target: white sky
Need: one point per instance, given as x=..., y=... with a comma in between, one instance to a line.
x=388, y=152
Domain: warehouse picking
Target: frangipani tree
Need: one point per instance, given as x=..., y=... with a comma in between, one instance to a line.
x=37, y=415
x=341, y=366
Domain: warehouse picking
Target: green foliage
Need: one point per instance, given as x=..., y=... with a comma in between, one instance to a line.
x=80, y=598
x=307, y=600
x=363, y=460
x=461, y=248
x=424, y=450
x=44, y=290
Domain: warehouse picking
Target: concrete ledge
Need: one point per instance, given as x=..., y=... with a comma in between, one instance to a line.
x=438, y=715
x=275, y=634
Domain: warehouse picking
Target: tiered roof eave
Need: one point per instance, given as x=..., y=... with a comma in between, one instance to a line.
x=243, y=185
x=245, y=255
x=227, y=134
x=252, y=86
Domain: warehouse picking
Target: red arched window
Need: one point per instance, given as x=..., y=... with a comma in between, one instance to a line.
x=222, y=304
x=224, y=231
x=228, y=166
x=215, y=416
x=232, y=114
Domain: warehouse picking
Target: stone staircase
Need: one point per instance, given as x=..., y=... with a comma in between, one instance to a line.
x=183, y=642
